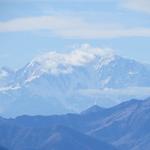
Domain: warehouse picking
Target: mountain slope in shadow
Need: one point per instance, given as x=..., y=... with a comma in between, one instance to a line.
x=125, y=126
x=51, y=138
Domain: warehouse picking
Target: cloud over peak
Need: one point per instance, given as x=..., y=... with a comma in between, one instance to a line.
x=55, y=62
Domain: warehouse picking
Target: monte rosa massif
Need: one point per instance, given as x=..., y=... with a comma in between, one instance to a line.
x=56, y=83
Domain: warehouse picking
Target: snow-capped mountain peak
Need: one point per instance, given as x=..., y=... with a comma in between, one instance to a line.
x=77, y=57
x=61, y=63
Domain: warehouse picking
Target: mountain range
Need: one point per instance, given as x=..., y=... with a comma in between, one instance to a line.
x=122, y=127
x=57, y=83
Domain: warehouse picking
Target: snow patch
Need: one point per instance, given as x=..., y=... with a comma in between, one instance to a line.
x=132, y=73
x=8, y=88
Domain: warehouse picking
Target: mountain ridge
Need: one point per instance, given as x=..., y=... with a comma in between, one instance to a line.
x=124, y=126
x=94, y=76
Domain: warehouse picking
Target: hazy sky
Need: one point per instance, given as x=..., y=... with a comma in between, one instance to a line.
x=30, y=27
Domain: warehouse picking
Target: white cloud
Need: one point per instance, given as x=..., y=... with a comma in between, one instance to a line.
x=69, y=27
x=137, y=5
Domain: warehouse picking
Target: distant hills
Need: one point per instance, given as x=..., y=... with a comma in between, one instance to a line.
x=58, y=83
x=123, y=127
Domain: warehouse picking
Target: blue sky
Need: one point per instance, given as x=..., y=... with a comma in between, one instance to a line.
x=30, y=27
